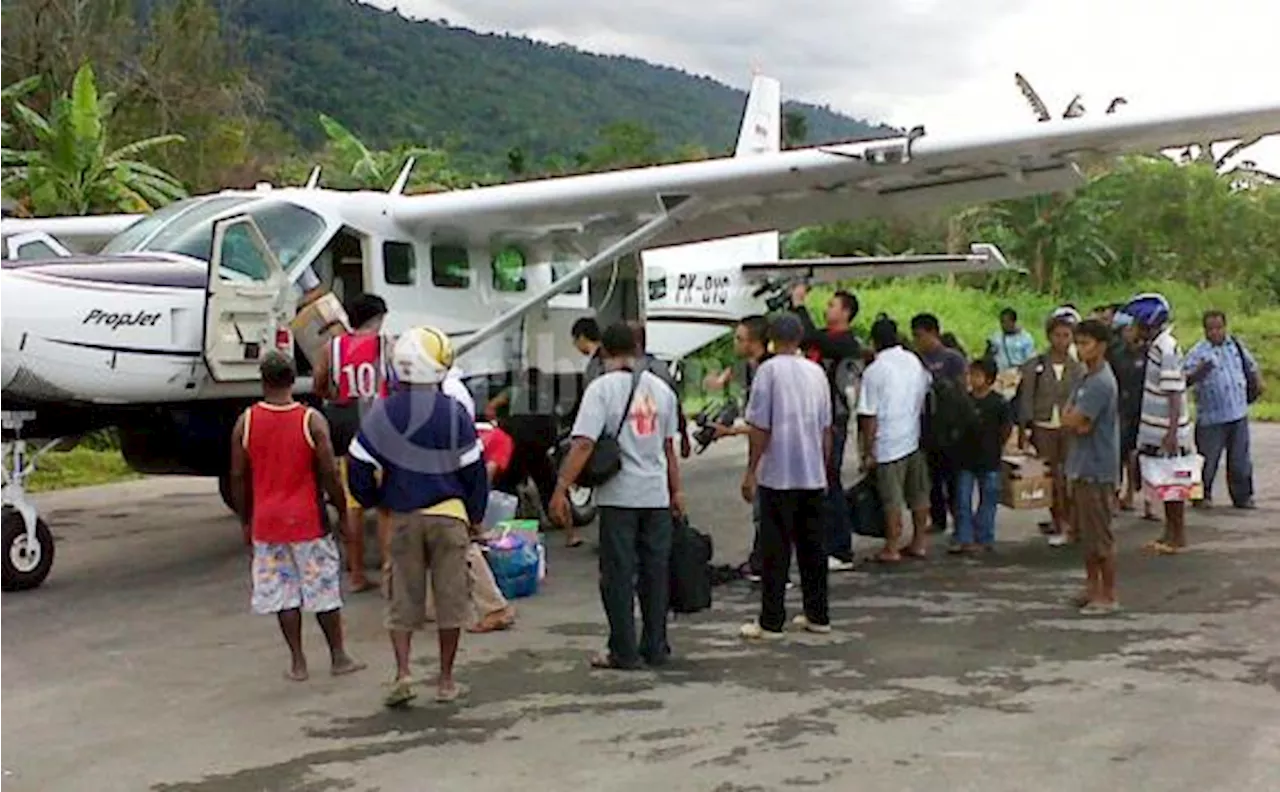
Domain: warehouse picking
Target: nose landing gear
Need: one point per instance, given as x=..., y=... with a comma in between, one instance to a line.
x=26, y=543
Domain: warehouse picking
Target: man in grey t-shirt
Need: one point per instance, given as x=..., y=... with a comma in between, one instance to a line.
x=636, y=505
x=789, y=413
x=1093, y=464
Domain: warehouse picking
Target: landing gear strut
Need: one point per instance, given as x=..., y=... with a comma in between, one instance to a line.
x=26, y=544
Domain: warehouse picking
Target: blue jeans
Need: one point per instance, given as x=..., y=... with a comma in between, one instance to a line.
x=988, y=485
x=837, y=525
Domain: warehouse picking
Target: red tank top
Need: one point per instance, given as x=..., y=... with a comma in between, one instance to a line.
x=359, y=372
x=286, y=499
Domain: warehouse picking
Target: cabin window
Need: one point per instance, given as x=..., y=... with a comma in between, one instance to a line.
x=508, y=270
x=561, y=268
x=398, y=265
x=450, y=267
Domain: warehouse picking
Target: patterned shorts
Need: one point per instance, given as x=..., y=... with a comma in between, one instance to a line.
x=291, y=575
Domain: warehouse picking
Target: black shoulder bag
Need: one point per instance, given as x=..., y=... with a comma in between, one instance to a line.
x=606, y=458
x=1251, y=389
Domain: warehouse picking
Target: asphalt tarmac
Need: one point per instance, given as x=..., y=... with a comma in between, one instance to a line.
x=138, y=666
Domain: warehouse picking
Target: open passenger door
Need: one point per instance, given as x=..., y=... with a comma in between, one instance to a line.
x=249, y=301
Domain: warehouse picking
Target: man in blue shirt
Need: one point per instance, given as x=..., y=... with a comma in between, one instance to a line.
x=1010, y=346
x=1219, y=368
x=418, y=457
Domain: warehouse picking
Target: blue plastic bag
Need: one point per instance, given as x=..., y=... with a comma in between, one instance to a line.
x=514, y=559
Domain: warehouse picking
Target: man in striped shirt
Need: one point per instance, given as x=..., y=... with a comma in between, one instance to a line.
x=1164, y=428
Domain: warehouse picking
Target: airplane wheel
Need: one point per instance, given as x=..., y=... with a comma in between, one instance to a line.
x=582, y=505
x=224, y=489
x=25, y=564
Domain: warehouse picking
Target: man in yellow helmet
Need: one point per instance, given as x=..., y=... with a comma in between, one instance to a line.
x=433, y=482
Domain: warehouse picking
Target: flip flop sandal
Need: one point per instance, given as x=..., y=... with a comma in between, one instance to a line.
x=453, y=694
x=1161, y=548
x=607, y=662
x=401, y=693
x=576, y=543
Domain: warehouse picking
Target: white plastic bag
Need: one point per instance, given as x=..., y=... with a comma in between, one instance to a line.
x=501, y=507
x=1172, y=479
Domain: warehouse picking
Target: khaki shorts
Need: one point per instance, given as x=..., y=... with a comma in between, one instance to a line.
x=422, y=542
x=1091, y=517
x=904, y=483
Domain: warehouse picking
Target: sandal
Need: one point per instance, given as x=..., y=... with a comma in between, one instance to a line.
x=1160, y=547
x=606, y=661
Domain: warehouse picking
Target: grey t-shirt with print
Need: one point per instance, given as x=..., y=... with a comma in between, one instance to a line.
x=1095, y=456
x=642, y=481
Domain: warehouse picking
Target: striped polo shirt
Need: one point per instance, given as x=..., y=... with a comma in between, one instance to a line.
x=1163, y=378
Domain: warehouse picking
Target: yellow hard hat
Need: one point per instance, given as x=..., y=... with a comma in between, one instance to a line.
x=422, y=356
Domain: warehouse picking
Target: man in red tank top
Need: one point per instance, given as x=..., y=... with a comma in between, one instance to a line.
x=350, y=375
x=281, y=454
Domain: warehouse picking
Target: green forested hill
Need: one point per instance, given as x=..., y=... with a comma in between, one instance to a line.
x=391, y=80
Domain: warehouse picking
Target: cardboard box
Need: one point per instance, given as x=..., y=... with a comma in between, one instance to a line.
x=319, y=323
x=1025, y=483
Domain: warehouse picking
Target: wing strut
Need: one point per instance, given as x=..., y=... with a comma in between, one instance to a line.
x=673, y=207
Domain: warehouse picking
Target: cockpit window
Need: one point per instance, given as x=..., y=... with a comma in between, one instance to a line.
x=290, y=230
x=133, y=236
x=191, y=232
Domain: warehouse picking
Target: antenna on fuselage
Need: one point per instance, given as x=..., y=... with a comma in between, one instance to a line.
x=313, y=180
x=403, y=178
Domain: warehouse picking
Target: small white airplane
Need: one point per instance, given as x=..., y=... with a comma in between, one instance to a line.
x=160, y=333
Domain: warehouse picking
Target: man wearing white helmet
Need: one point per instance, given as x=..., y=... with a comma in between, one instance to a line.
x=1164, y=427
x=433, y=482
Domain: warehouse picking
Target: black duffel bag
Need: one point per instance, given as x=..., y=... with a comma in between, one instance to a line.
x=690, y=568
x=865, y=508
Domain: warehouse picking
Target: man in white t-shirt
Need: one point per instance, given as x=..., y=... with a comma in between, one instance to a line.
x=635, y=407
x=890, y=402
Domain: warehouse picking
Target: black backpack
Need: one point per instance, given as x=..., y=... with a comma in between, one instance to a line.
x=690, y=569
x=948, y=415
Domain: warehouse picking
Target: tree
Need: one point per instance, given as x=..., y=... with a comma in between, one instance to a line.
x=795, y=128
x=347, y=163
x=73, y=170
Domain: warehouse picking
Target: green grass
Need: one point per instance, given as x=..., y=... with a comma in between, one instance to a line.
x=973, y=314
x=79, y=467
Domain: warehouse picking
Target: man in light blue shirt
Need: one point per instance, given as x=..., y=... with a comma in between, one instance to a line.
x=1010, y=346
x=789, y=415
x=1220, y=369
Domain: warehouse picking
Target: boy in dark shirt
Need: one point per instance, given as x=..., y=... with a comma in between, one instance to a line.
x=979, y=460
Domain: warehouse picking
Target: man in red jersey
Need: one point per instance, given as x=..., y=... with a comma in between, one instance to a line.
x=278, y=447
x=350, y=375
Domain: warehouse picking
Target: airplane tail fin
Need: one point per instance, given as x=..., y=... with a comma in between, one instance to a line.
x=674, y=330
x=761, y=131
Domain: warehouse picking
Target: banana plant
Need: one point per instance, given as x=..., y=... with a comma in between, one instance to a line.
x=11, y=93
x=370, y=169
x=73, y=170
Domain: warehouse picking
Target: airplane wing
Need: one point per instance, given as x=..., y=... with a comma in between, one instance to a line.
x=800, y=187
x=84, y=234
x=982, y=258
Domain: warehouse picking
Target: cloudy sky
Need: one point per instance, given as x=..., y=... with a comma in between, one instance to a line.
x=947, y=64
